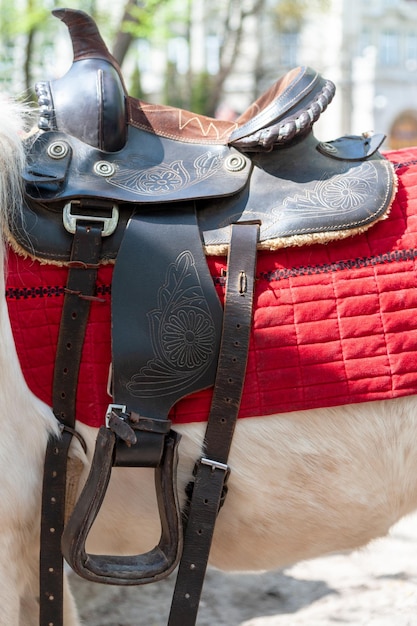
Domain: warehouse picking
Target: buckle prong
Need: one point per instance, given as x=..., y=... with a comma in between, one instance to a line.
x=215, y=464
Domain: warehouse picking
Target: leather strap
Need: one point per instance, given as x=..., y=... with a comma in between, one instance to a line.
x=80, y=291
x=212, y=470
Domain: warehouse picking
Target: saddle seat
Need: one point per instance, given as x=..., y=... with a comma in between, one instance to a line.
x=288, y=108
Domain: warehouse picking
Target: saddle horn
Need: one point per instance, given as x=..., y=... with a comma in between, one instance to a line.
x=87, y=43
x=88, y=102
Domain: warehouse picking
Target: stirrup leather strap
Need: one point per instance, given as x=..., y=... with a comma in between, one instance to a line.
x=212, y=469
x=81, y=284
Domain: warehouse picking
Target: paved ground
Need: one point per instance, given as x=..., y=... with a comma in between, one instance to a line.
x=374, y=587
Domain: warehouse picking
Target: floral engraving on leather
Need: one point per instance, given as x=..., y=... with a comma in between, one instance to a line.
x=182, y=333
x=340, y=193
x=164, y=178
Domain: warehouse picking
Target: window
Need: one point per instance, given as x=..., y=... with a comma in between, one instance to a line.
x=411, y=47
x=389, y=48
x=288, y=44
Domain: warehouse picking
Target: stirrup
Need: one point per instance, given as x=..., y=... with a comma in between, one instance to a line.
x=125, y=570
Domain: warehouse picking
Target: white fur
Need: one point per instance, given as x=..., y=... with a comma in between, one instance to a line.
x=302, y=484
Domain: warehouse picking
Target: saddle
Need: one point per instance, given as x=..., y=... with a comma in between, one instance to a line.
x=154, y=189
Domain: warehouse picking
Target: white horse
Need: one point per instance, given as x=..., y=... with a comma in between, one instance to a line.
x=303, y=484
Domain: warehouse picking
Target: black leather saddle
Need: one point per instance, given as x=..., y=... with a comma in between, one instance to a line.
x=155, y=188
x=97, y=142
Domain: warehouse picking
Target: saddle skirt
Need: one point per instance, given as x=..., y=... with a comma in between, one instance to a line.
x=333, y=324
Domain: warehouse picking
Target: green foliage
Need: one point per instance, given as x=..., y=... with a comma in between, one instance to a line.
x=200, y=93
x=190, y=92
x=157, y=20
x=289, y=14
x=135, y=84
x=17, y=19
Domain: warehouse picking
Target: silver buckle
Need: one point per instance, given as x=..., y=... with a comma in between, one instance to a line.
x=109, y=223
x=114, y=407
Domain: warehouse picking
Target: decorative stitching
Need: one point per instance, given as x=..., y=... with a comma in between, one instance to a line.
x=327, y=268
x=30, y=293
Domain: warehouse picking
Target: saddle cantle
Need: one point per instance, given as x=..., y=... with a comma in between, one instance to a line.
x=267, y=165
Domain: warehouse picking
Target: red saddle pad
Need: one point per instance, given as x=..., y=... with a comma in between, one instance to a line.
x=333, y=324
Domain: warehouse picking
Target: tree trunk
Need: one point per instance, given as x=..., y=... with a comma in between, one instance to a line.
x=124, y=39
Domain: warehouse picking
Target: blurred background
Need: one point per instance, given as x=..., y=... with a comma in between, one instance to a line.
x=216, y=56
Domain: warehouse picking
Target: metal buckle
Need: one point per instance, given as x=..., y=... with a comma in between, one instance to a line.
x=109, y=223
x=114, y=407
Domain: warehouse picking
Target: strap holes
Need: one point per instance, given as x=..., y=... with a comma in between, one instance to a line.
x=74, y=315
x=222, y=420
x=51, y=570
x=52, y=530
x=199, y=532
x=205, y=501
x=65, y=371
x=56, y=451
x=53, y=500
x=187, y=596
x=63, y=395
x=69, y=345
x=51, y=598
x=238, y=325
x=230, y=380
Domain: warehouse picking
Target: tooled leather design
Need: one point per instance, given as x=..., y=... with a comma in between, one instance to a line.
x=182, y=333
x=295, y=191
x=167, y=178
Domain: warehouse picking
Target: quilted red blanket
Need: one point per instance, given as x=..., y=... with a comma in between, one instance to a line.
x=333, y=324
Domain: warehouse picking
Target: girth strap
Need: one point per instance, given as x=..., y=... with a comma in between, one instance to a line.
x=81, y=284
x=212, y=470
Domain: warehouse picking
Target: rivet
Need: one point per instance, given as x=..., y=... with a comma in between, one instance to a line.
x=104, y=168
x=58, y=149
x=235, y=163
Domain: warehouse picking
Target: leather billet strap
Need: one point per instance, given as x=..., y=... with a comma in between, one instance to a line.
x=80, y=290
x=212, y=470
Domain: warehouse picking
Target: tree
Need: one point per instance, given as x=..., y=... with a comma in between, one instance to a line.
x=176, y=30
x=164, y=22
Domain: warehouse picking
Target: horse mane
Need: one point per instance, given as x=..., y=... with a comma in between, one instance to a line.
x=14, y=119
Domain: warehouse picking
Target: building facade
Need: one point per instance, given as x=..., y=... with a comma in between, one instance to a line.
x=369, y=50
